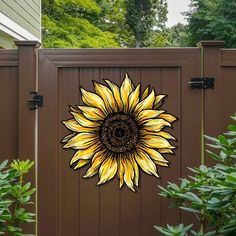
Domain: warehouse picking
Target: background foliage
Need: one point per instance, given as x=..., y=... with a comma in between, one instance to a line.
x=134, y=23
x=212, y=19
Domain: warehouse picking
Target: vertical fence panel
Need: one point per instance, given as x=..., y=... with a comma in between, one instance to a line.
x=89, y=218
x=150, y=77
x=171, y=82
x=9, y=112
x=212, y=98
x=68, y=180
x=130, y=202
x=110, y=192
x=48, y=149
x=190, y=123
x=26, y=117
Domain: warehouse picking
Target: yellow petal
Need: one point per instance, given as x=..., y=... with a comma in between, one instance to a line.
x=107, y=170
x=93, y=100
x=136, y=170
x=145, y=93
x=81, y=141
x=92, y=113
x=161, y=133
x=134, y=98
x=129, y=173
x=153, y=141
x=80, y=163
x=166, y=135
x=84, y=121
x=116, y=92
x=155, y=124
x=146, y=164
x=66, y=138
x=168, y=117
x=97, y=160
x=120, y=171
x=161, y=163
x=85, y=154
x=158, y=101
x=146, y=104
x=75, y=126
x=107, y=96
x=155, y=155
x=148, y=114
x=165, y=150
x=74, y=109
x=125, y=90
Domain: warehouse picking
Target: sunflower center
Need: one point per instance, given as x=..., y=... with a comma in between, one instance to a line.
x=119, y=133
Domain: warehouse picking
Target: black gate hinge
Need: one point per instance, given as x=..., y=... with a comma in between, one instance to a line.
x=202, y=83
x=36, y=101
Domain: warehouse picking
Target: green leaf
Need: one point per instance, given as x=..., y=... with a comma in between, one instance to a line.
x=214, y=140
x=190, y=209
x=3, y=165
x=232, y=127
x=213, y=155
x=163, y=231
x=231, y=177
x=223, y=140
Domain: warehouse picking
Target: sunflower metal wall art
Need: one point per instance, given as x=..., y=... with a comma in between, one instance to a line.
x=119, y=130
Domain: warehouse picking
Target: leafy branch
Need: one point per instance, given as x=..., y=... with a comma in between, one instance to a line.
x=15, y=194
x=209, y=194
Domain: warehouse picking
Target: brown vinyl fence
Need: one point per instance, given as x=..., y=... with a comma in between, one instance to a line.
x=67, y=204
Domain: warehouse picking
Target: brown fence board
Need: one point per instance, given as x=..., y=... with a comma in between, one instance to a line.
x=48, y=150
x=8, y=114
x=130, y=202
x=110, y=193
x=171, y=82
x=228, y=95
x=152, y=202
x=190, y=106
x=89, y=192
x=228, y=85
x=68, y=181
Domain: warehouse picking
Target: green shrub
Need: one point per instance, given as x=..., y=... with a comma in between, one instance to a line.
x=14, y=195
x=210, y=193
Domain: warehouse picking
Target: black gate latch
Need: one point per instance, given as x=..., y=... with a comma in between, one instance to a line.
x=202, y=83
x=36, y=101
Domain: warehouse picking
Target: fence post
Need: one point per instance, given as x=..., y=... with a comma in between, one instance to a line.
x=27, y=119
x=210, y=60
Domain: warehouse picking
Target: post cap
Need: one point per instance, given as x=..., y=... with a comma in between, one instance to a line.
x=211, y=43
x=27, y=43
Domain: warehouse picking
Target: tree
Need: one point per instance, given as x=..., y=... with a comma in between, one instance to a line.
x=212, y=20
x=72, y=23
x=101, y=23
x=175, y=36
x=143, y=17
x=112, y=19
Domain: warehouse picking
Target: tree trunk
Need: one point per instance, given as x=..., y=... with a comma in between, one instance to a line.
x=138, y=40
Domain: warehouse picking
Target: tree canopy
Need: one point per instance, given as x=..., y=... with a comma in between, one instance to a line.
x=145, y=16
x=101, y=23
x=134, y=23
x=212, y=19
x=72, y=23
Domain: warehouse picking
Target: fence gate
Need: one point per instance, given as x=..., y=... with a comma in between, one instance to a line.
x=69, y=205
